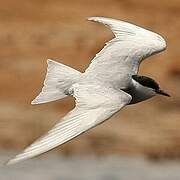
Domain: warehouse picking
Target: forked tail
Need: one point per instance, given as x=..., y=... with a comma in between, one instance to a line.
x=59, y=78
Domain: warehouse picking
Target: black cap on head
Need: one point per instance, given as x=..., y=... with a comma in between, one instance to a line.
x=146, y=81
x=150, y=83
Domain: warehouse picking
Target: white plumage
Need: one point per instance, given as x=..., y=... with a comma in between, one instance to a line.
x=59, y=77
x=99, y=91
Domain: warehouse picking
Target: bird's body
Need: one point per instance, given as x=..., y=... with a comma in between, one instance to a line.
x=137, y=91
x=109, y=83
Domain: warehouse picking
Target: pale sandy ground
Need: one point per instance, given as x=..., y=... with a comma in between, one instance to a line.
x=52, y=167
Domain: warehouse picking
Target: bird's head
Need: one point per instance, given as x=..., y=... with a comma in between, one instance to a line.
x=151, y=84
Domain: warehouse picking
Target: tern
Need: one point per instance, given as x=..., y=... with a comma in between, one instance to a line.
x=109, y=83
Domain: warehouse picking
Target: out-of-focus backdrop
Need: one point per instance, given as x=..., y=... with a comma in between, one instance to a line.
x=32, y=31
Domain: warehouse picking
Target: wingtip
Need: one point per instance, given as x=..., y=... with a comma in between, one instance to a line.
x=92, y=18
x=89, y=18
x=37, y=100
x=10, y=162
x=34, y=101
x=99, y=18
x=16, y=159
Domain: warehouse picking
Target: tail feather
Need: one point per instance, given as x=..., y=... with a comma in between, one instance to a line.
x=58, y=79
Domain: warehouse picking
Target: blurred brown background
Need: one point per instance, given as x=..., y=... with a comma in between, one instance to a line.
x=32, y=31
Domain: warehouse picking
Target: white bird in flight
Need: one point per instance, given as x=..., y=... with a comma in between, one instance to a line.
x=109, y=83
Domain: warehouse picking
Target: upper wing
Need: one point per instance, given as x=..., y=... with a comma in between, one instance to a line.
x=93, y=106
x=124, y=53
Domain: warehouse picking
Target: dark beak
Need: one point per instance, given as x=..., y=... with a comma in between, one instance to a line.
x=161, y=92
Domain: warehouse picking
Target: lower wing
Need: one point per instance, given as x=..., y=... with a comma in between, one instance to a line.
x=92, y=108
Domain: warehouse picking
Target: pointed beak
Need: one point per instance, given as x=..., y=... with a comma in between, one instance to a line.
x=161, y=92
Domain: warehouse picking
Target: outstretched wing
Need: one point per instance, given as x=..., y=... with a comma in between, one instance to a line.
x=94, y=105
x=124, y=53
